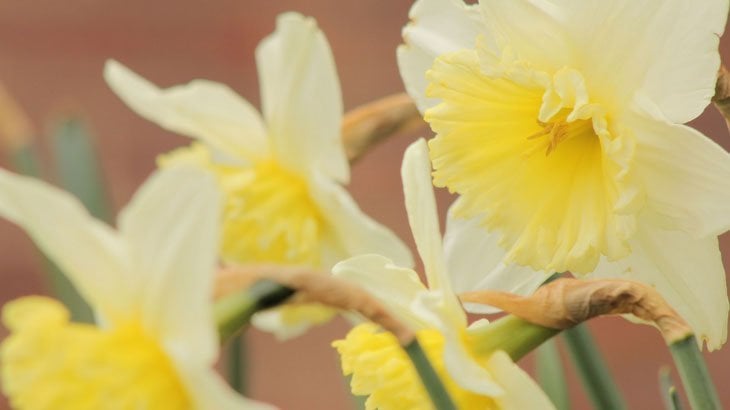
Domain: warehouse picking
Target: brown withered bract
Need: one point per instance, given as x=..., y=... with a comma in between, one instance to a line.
x=564, y=303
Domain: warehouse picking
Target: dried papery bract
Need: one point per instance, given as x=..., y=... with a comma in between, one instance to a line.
x=369, y=124
x=314, y=287
x=565, y=303
x=722, y=94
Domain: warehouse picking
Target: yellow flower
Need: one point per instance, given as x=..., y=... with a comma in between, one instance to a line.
x=150, y=286
x=559, y=124
x=281, y=174
x=474, y=378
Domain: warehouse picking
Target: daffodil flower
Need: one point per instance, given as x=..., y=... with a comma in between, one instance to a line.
x=150, y=286
x=474, y=378
x=282, y=174
x=560, y=125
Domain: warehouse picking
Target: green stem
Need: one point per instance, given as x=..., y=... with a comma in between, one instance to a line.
x=592, y=370
x=692, y=370
x=237, y=363
x=511, y=334
x=550, y=374
x=233, y=312
x=431, y=381
x=668, y=391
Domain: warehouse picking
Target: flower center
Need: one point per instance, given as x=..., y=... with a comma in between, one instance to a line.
x=269, y=215
x=535, y=160
x=381, y=370
x=558, y=131
x=49, y=363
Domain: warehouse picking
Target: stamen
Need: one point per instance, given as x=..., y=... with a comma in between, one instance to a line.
x=557, y=132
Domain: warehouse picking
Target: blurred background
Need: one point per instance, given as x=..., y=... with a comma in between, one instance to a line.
x=51, y=59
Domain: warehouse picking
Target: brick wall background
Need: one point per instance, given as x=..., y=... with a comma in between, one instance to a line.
x=51, y=59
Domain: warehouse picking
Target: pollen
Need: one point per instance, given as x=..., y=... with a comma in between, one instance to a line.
x=381, y=370
x=49, y=363
x=269, y=215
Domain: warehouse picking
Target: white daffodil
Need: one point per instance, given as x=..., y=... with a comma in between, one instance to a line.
x=150, y=286
x=475, y=378
x=282, y=174
x=560, y=125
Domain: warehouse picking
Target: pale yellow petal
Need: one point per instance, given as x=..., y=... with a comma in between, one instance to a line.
x=202, y=109
x=673, y=62
x=301, y=98
x=89, y=252
x=422, y=214
x=349, y=231
x=210, y=391
x=288, y=322
x=436, y=27
x=520, y=390
x=461, y=365
x=395, y=286
x=475, y=261
x=550, y=189
x=687, y=176
x=171, y=229
x=687, y=272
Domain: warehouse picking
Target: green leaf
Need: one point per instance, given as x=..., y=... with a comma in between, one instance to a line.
x=669, y=393
x=592, y=369
x=551, y=375
x=694, y=374
x=431, y=381
x=78, y=168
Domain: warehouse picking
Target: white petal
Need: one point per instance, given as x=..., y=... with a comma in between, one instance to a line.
x=201, y=109
x=171, y=228
x=87, y=251
x=686, y=175
x=460, y=364
x=422, y=213
x=520, y=390
x=684, y=58
x=687, y=272
x=210, y=391
x=301, y=98
x=475, y=261
x=349, y=231
x=529, y=31
x=272, y=321
x=673, y=61
x=396, y=287
x=436, y=27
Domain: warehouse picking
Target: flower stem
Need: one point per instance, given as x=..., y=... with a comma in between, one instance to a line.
x=431, y=381
x=692, y=370
x=669, y=393
x=592, y=369
x=515, y=336
x=551, y=375
x=234, y=311
x=237, y=363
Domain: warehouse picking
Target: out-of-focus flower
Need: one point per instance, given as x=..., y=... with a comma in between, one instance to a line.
x=282, y=175
x=560, y=127
x=150, y=286
x=378, y=365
